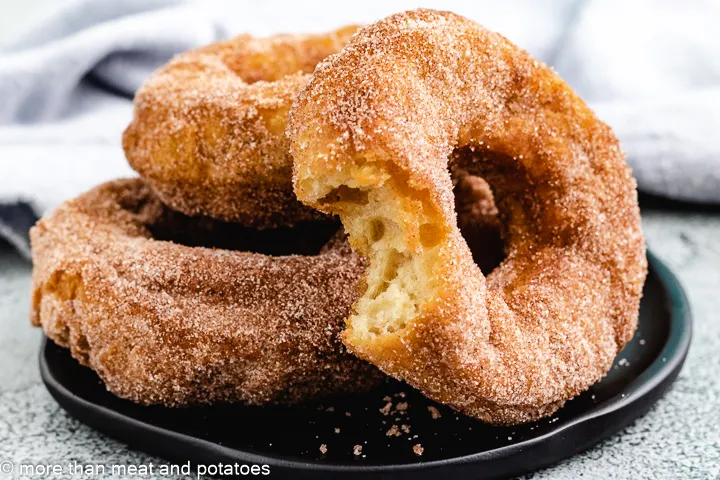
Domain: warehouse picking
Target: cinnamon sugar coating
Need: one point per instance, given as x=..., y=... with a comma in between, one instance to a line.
x=208, y=128
x=166, y=323
x=375, y=135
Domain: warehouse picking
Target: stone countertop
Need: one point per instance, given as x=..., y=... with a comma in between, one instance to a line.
x=679, y=438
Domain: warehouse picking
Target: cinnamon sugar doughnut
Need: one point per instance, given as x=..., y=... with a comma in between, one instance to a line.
x=173, y=324
x=375, y=134
x=208, y=128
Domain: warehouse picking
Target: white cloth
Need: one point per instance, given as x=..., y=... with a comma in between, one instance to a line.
x=650, y=68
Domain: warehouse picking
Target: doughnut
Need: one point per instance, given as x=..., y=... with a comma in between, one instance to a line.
x=375, y=136
x=208, y=132
x=198, y=319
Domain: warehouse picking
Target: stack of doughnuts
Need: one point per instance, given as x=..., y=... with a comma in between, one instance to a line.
x=205, y=280
x=494, y=258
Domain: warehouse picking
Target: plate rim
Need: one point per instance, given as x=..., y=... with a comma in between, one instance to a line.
x=657, y=377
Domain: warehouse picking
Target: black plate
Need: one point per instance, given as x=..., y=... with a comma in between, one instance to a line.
x=288, y=439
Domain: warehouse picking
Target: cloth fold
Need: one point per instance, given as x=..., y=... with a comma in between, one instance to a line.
x=650, y=69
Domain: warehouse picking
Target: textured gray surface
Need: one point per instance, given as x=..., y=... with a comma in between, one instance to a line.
x=679, y=438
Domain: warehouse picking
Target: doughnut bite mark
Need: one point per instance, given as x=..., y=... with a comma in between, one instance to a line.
x=376, y=135
x=208, y=132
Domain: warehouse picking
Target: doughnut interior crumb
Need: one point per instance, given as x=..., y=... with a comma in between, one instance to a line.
x=393, y=226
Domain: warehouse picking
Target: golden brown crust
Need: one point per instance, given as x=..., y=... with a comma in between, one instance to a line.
x=208, y=128
x=165, y=323
x=422, y=91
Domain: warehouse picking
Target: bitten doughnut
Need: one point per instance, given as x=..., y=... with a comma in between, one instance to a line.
x=208, y=132
x=178, y=322
x=374, y=135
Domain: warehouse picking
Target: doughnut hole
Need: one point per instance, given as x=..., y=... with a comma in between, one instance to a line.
x=304, y=238
x=478, y=221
